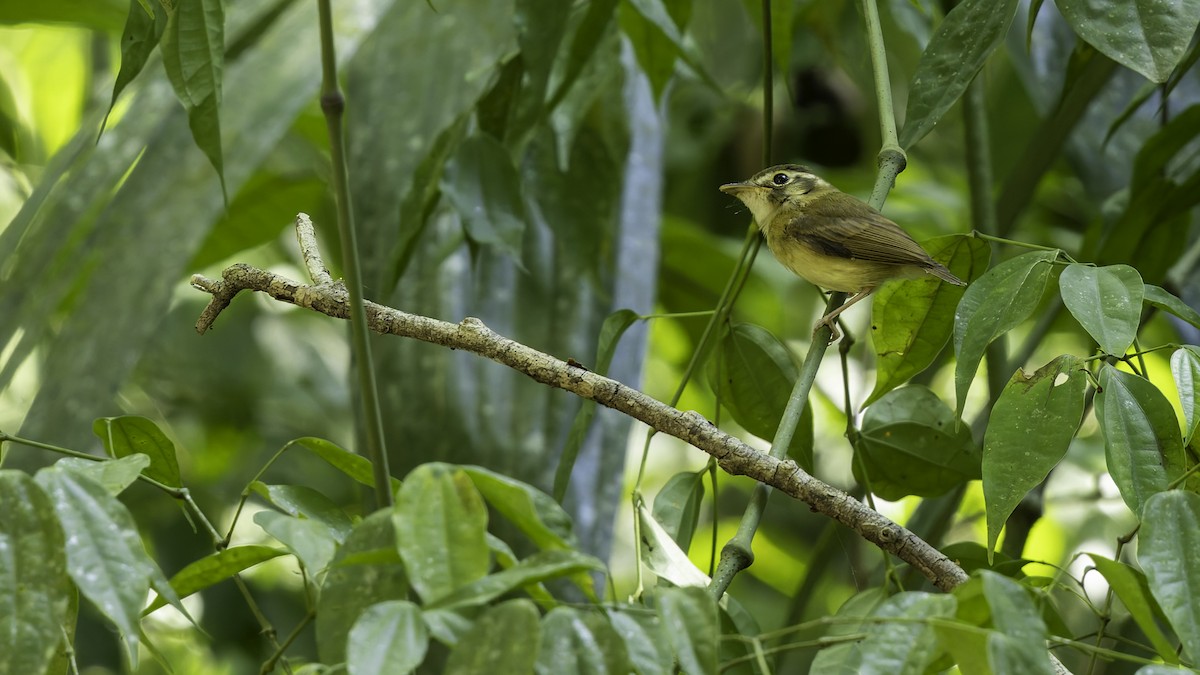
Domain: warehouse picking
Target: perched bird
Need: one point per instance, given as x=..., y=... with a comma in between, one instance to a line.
x=830, y=238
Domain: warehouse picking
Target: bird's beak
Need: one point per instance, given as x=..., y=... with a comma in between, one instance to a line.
x=735, y=188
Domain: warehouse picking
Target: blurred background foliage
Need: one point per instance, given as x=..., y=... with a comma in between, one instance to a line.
x=615, y=207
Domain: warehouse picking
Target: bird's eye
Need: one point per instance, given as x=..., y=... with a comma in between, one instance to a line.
x=780, y=179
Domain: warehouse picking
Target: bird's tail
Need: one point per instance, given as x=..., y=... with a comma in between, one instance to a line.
x=944, y=274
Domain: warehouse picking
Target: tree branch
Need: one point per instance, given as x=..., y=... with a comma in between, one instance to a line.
x=471, y=335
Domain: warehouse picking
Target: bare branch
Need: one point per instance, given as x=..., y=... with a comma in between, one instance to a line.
x=471, y=335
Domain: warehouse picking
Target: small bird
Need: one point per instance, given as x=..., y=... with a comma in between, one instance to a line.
x=830, y=238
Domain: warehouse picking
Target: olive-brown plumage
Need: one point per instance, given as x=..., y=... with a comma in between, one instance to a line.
x=830, y=238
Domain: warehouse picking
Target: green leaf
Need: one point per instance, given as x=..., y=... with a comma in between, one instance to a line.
x=845, y=656
x=995, y=304
x=1018, y=644
x=356, y=467
x=211, y=570
x=580, y=641
x=302, y=501
x=588, y=36
x=689, y=618
x=958, y=49
x=533, y=512
x=193, y=51
x=1167, y=302
x=449, y=626
x=540, y=27
x=1141, y=435
x=1106, y=301
x=389, y=638
x=644, y=639
x=441, y=523
x=1169, y=553
x=656, y=39
x=130, y=434
x=911, y=445
x=754, y=372
x=677, y=505
x=1047, y=406
x=105, y=555
x=1185, y=367
x=1131, y=587
x=365, y=570
x=34, y=588
x=260, y=211
x=505, y=639
x=143, y=28
x=1146, y=36
x=482, y=185
x=113, y=475
x=614, y=327
x=311, y=541
x=912, y=320
x=909, y=644
x=535, y=569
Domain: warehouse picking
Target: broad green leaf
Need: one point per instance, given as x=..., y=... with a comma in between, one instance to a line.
x=580, y=641
x=1018, y=644
x=113, y=475
x=664, y=557
x=211, y=570
x=972, y=556
x=143, y=28
x=533, y=512
x=441, y=523
x=1146, y=36
x=1131, y=587
x=689, y=618
x=1106, y=301
x=105, y=555
x=365, y=570
x=193, y=51
x=311, y=541
x=260, y=211
x=588, y=35
x=355, y=467
x=1185, y=366
x=906, y=645
x=1169, y=553
x=504, y=639
x=540, y=27
x=482, y=184
x=130, y=434
x=34, y=588
x=389, y=638
x=1167, y=302
x=449, y=626
x=614, y=327
x=911, y=445
x=1047, y=406
x=535, y=569
x=995, y=304
x=966, y=644
x=754, y=374
x=677, y=505
x=958, y=49
x=844, y=656
x=103, y=15
x=644, y=639
x=912, y=320
x=654, y=29
x=1142, y=442
x=302, y=501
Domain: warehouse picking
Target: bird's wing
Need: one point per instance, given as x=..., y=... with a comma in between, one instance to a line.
x=862, y=235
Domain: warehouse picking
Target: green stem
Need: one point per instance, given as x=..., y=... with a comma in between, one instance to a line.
x=737, y=554
x=891, y=158
x=333, y=105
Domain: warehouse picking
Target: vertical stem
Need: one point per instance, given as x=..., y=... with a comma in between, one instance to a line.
x=333, y=105
x=891, y=158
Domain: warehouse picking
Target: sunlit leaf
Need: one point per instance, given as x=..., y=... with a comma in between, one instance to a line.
x=1169, y=552
x=530, y=509
x=1106, y=301
x=130, y=434
x=1046, y=405
x=1185, y=366
x=664, y=557
x=211, y=570
x=356, y=467
x=113, y=475
x=34, y=588
x=143, y=28
x=300, y=500
x=912, y=320
x=441, y=522
x=1146, y=36
x=995, y=304
x=312, y=541
x=1141, y=435
x=959, y=47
